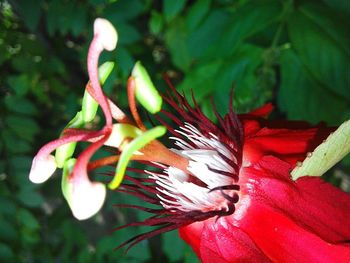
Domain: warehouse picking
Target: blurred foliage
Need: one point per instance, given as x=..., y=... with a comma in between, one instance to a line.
x=293, y=53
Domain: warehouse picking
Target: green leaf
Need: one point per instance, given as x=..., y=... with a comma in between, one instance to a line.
x=20, y=164
x=155, y=23
x=56, y=16
x=326, y=155
x=197, y=13
x=19, y=104
x=190, y=256
x=127, y=34
x=108, y=243
x=80, y=21
x=20, y=84
x=245, y=21
x=122, y=11
x=219, y=76
x=8, y=207
x=30, y=197
x=339, y=5
x=125, y=61
x=30, y=12
x=27, y=219
x=206, y=35
x=8, y=231
x=333, y=24
x=240, y=72
x=176, y=41
x=14, y=145
x=6, y=253
x=173, y=246
x=303, y=98
x=171, y=8
x=23, y=127
x=320, y=53
x=201, y=79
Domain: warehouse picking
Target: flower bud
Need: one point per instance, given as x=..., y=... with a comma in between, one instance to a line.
x=85, y=198
x=42, y=168
x=145, y=91
x=106, y=33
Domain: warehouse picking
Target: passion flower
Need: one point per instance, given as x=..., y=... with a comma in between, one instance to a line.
x=235, y=200
x=226, y=186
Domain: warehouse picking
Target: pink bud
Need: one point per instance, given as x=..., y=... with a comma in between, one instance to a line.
x=86, y=198
x=42, y=168
x=106, y=33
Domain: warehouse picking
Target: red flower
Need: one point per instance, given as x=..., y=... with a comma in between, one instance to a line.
x=276, y=219
x=235, y=201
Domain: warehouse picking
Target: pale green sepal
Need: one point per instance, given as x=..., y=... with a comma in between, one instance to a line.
x=145, y=91
x=66, y=151
x=131, y=149
x=65, y=185
x=121, y=131
x=326, y=155
x=89, y=105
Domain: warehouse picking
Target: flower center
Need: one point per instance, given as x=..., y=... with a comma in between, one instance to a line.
x=208, y=184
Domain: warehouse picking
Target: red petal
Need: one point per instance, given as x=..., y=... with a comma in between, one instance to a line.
x=263, y=111
x=220, y=241
x=310, y=202
x=288, y=145
x=277, y=220
x=282, y=240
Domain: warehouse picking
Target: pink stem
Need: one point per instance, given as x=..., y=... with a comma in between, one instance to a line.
x=67, y=138
x=80, y=167
x=116, y=112
x=95, y=50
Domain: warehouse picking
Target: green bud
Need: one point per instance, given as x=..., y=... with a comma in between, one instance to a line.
x=130, y=149
x=89, y=105
x=145, y=91
x=326, y=155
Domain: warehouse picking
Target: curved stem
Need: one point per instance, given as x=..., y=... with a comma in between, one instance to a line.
x=80, y=167
x=72, y=136
x=94, y=52
x=116, y=112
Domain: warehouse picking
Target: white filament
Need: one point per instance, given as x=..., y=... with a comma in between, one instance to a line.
x=177, y=192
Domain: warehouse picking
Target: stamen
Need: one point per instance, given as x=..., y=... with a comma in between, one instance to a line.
x=226, y=187
x=132, y=103
x=233, y=199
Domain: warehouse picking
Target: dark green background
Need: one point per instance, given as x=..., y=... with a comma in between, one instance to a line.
x=295, y=54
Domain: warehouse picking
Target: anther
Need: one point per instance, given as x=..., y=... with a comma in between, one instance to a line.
x=226, y=187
